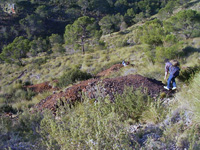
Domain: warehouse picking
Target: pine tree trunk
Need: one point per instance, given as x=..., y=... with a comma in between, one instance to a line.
x=83, y=48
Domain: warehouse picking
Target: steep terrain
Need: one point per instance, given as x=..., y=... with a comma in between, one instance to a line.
x=95, y=88
x=109, y=71
x=128, y=122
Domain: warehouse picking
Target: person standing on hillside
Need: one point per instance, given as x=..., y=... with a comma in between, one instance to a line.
x=171, y=68
x=167, y=65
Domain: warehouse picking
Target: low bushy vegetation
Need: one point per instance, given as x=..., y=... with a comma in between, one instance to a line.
x=97, y=124
x=189, y=97
x=44, y=55
x=72, y=76
x=93, y=124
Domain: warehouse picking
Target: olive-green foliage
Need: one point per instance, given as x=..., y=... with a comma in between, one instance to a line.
x=39, y=61
x=72, y=76
x=38, y=46
x=25, y=128
x=167, y=10
x=131, y=105
x=151, y=33
x=163, y=37
x=5, y=125
x=111, y=23
x=155, y=113
x=29, y=94
x=42, y=11
x=82, y=29
x=101, y=45
x=56, y=42
x=188, y=111
x=167, y=52
x=28, y=124
x=185, y=23
x=33, y=25
x=188, y=50
x=15, y=51
x=20, y=94
x=6, y=108
x=191, y=97
x=15, y=93
x=193, y=137
x=187, y=73
x=169, y=7
x=121, y=43
x=100, y=123
x=95, y=124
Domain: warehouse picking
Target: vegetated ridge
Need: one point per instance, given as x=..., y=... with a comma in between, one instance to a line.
x=95, y=88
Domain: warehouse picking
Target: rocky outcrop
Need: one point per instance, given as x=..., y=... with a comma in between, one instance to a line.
x=41, y=87
x=95, y=88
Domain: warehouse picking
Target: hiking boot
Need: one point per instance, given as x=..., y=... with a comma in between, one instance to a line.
x=174, y=88
x=166, y=88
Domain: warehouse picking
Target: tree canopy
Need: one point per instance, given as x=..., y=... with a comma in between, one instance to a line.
x=79, y=20
x=80, y=31
x=186, y=22
x=151, y=33
x=111, y=23
x=15, y=51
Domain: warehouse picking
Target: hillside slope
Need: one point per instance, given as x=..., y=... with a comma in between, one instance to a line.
x=95, y=89
x=121, y=107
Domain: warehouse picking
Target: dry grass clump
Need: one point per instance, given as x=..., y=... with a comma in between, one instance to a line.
x=95, y=124
x=189, y=97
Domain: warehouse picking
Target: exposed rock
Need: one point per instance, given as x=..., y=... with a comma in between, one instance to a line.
x=95, y=88
x=42, y=87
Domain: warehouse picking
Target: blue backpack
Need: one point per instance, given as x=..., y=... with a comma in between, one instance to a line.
x=174, y=70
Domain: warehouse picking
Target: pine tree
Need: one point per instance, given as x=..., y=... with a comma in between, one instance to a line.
x=79, y=32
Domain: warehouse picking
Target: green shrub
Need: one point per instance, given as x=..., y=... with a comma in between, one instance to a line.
x=2, y=99
x=40, y=61
x=188, y=50
x=73, y=76
x=131, y=105
x=87, y=127
x=171, y=52
x=155, y=112
x=189, y=97
x=30, y=94
x=26, y=83
x=7, y=109
x=188, y=73
x=101, y=45
x=95, y=124
x=121, y=43
x=28, y=124
x=11, y=89
x=193, y=138
x=5, y=125
x=20, y=94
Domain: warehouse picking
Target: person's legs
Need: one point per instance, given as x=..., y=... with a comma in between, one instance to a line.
x=169, y=81
x=173, y=82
